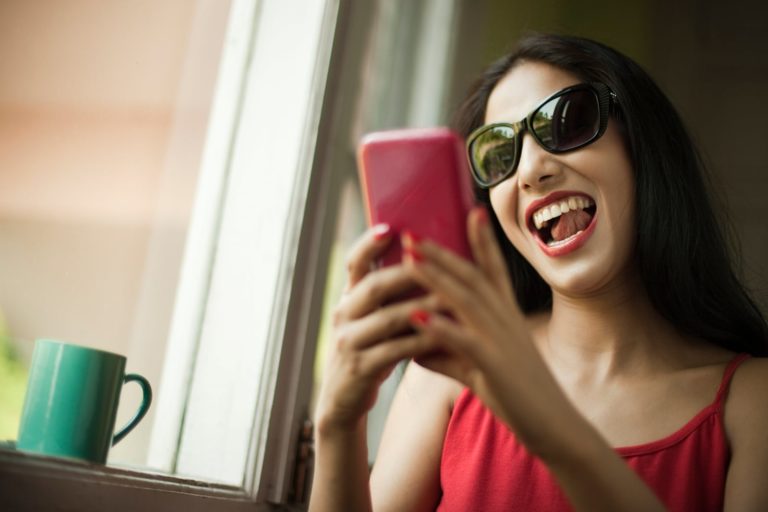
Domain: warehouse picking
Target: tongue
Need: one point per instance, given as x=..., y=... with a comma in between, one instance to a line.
x=569, y=224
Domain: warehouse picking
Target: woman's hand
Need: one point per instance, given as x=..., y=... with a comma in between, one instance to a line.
x=369, y=336
x=484, y=341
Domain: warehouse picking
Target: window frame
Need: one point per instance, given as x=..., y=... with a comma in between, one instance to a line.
x=248, y=283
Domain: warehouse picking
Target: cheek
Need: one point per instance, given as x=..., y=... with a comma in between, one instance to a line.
x=619, y=197
x=622, y=188
x=505, y=204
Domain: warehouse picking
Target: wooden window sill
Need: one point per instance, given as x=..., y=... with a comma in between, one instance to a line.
x=33, y=482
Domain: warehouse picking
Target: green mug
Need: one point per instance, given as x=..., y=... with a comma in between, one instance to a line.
x=71, y=401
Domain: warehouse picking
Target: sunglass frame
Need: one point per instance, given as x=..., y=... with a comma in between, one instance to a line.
x=606, y=101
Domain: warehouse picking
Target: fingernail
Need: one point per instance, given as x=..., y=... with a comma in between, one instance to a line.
x=419, y=317
x=381, y=231
x=413, y=253
x=410, y=238
x=482, y=214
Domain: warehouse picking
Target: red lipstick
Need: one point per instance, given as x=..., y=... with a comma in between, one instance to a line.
x=570, y=244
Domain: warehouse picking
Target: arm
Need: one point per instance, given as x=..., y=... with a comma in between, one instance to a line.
x=368, y=340
x=340, y=479
x=593, y=476
x=492, y=352
x=746, y=421
x=406, y=476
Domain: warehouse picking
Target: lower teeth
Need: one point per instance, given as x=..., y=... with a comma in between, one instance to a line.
x=557, y=243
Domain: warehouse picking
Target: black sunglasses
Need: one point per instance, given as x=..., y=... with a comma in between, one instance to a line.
x=567, y=120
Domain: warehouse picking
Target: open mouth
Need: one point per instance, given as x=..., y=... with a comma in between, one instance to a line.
x=563, y=220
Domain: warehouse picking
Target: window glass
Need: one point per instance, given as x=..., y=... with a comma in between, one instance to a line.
x=103, y=115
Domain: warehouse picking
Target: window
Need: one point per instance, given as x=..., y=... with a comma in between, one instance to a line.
x=212, y=169
x=103, y=114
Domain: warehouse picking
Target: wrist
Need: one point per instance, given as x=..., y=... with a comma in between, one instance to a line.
x=329, y=427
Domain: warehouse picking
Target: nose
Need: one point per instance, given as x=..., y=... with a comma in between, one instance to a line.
x=537, y=168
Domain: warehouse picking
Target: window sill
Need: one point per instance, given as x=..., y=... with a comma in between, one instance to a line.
x=32, y=482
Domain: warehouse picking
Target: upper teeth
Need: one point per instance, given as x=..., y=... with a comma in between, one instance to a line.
x=546, y=213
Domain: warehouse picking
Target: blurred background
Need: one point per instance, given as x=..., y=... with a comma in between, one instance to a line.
x=104, y=107
x=103, y=114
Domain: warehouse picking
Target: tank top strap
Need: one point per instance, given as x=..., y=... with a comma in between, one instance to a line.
x=733, y=365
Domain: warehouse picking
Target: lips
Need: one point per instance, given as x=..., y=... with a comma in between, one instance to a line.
x=575, y=210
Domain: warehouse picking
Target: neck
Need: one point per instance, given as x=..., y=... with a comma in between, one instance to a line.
x=613, y=332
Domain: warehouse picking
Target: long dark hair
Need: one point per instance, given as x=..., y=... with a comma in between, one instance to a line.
x=683, y=256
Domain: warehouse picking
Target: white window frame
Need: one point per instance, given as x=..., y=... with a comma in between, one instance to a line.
x=250, y=208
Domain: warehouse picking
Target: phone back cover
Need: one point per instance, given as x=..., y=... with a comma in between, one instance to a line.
x=419, y=180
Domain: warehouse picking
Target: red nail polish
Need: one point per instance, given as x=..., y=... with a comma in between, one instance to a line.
x=413, y=253
x=482, y=214
x=381, y=231
x=411, y=236
x=419, y=317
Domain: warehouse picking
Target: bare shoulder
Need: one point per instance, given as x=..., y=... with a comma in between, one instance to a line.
x=745, y=407
x=746, y=421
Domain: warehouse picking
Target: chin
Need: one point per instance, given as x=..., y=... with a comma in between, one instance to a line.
x=579, y=279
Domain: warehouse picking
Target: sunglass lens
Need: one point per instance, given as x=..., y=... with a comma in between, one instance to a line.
x=567, y=121
x=493, y=154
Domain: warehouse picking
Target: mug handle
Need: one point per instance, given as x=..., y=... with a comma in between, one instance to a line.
x=146, y=401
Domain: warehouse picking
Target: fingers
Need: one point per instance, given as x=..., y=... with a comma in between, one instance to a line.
x=372, y=291
x=352, y=379
x=452, y=344
x=360, y=258
x=482, y=286
x=382, y=324
x=383, y=355
x=456, y=281
x=486, y=250
x=419, y=251
x=471, y=304
x=368, y=290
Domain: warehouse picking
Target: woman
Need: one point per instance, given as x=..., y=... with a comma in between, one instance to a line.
x=596, y=356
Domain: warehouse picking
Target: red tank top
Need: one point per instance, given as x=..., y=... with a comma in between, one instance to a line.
x=484, y=468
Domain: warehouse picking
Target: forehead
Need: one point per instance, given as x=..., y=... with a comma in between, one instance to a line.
x=523, y=89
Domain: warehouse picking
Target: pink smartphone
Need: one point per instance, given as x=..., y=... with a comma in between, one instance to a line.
x=417, y=180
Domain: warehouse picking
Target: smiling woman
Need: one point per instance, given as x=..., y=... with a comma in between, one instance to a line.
x=177, y=179
x=538, y=183
x=564, y=318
